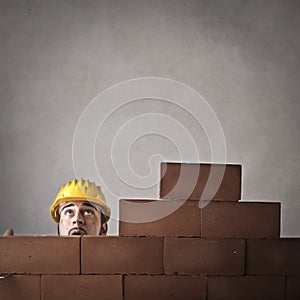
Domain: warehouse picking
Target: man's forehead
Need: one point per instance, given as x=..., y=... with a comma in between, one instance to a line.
x=78, y=204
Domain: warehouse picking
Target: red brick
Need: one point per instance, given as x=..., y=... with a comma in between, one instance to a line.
x=194, y=177
x=278, y=256
x=241, y=220
x=25, y=287
x=78, y=287
x=182, y=218
x=40, y=255
x=204, y=256
x=125, y=255
x=164, y=287
x=246, y=288
x=293, y=287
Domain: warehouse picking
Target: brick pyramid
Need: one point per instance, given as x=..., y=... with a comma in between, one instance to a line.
x=176, y=247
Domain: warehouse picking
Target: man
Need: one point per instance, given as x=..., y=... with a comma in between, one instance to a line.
x=80, y=209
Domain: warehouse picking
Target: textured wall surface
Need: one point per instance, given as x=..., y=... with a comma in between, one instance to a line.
x=56, y=56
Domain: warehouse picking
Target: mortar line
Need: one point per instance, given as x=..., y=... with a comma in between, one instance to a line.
x=163, y=255
x=245, y=257
x=201, y=217
x=285, y=286
x=123, y=286
x=41, y=294
x=80, y=257
x=206, y=287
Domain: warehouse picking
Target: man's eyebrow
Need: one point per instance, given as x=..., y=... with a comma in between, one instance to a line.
x=69, y=205
x=89, y=205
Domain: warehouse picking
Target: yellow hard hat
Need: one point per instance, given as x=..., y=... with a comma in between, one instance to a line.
x=79, y=190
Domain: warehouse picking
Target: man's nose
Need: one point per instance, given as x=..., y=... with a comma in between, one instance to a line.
x=78, y=219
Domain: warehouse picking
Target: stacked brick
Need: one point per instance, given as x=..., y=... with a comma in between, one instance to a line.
x=223, y=249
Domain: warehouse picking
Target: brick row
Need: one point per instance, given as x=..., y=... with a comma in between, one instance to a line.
x=131, y=287
x=149, y=255
x=200, y=181
x=186, y=218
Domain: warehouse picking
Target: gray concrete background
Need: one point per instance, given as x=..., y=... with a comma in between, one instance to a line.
x=56, y=56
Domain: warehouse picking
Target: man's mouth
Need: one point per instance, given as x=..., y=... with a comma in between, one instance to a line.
x=77, y=231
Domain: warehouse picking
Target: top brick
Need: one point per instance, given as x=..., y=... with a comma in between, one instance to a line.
x=221, y=182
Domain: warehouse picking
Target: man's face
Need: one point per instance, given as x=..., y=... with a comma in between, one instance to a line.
x=79, y=218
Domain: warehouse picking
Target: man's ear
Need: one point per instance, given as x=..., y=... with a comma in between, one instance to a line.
x=104, y=229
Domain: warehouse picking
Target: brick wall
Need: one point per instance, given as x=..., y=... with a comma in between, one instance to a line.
x=223, y=250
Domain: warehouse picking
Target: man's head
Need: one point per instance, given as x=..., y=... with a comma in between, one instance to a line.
x=81, y=218
x=80, y=209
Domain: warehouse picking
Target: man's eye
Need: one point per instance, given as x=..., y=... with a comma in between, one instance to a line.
x=88, y=212
x=69, y=212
